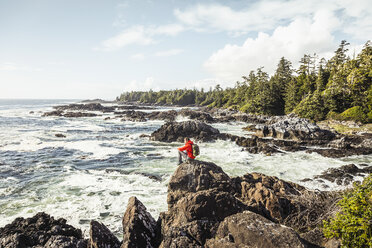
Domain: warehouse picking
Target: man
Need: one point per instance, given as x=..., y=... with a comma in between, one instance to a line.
x=185, y=151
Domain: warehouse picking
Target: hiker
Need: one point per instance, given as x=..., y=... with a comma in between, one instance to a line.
x=186, y=151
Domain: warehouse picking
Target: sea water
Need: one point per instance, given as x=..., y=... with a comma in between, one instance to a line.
x=92, y=172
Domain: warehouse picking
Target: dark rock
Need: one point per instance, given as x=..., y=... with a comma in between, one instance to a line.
x=135, y=116
x=139, y=228
x=87, y=107
x=65, y=242
x=79, y=114
x=340, y=153
x=163, y=115
x=284, y=202
x=107, y=118
x=248, y=229
x=176, y=131
x=38, y=230
x=53, y=113
x=294, y=128
x=257, y=145
x=59, y=135
x=131, y=107
x=196, y=176
x=31, y=112
x=206, y=207
x=193, y=234
x=344, y=175
x=100, y=236
x=196, y=115
x=363, y=141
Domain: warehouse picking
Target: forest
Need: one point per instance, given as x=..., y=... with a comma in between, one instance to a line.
x=339, y=88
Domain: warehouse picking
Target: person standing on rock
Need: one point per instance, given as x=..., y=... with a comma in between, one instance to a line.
x=185, y=151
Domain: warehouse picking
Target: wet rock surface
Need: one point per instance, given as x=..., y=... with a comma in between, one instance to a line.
x=202, y=197
x=206, y=208
x=101, y=236
x=343, y=175
x=252, y=230
x=139, y=227
x=87, y=107
x=41, y=230
x=294, y=128
x=176, y=131
x=340, y=153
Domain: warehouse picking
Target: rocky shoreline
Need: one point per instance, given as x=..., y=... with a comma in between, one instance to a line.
x=206, y=208
x=275, y=134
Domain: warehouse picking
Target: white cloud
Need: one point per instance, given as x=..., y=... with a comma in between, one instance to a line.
x=303, y=35
x=145, y=85
x=261, y=15
x=139, y=35
x=170, y=29
x=10, y=66
x=207, y=83
x=168, y=53
x=138, y=56
x=266, y=15
x=133, y=35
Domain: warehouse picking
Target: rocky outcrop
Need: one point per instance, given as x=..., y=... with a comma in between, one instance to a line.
x=139, y=228
x=202, y=197
x=206, y=208
x=101, y=236
x=196, y=115
x=69, y=114
x=294, y=128
x=176, y=131
x=132, y=115
x=41, y=230
x=343, y=175
x=87, y=107
x=283, y=202
x=248, y=229
x=340, y=153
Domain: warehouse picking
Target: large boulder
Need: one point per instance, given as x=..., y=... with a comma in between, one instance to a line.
x=294, y=128
x=200, y=195
x=248, y=229
x=283, y=202
x=176, y=131
x=344, y=175
x=139, y=227
x=41, y=230
x=196, y=176
x=101, y=236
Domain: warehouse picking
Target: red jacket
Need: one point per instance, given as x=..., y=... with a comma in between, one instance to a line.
x=188, y=148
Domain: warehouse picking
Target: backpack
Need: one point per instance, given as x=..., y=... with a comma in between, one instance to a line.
x=195, y=150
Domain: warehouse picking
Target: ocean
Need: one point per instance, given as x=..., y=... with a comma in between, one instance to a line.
x=92, y=172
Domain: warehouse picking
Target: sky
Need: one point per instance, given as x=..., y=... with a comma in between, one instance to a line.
x=87, y=49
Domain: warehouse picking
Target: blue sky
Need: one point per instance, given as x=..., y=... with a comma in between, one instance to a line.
x=98, y=49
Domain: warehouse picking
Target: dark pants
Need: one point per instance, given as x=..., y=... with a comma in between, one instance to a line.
x=182, y=155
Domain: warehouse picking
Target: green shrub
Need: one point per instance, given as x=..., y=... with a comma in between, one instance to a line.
x=246, y=108
x=355, y=114
x=334, y=116
x=353, y=224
